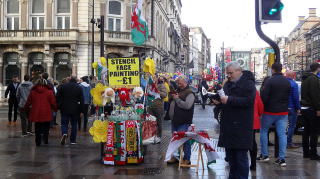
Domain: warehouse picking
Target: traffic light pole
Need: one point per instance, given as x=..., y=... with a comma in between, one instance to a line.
x=102, y=36
x=263, y=36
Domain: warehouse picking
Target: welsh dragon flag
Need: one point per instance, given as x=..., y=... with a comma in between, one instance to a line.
x=139, y=27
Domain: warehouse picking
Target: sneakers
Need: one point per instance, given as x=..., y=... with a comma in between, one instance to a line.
x=186, y=162
x=73, y=143
x=63, y=139
x=263, y=158
x=30, y=133
x=281, y=162
x=293, y=146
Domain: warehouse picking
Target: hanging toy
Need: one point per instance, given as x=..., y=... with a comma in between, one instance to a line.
x=149, y=66
x=137, y=92
x=123, y=94
x=101, y=68
x=96, y=94
x=108, y=96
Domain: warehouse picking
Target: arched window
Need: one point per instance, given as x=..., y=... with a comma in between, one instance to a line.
x=37, y=14
x=63, y=14
x=12, y=14
x=115, y=16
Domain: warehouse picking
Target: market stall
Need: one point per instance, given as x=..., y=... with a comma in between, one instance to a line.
x=123, y=130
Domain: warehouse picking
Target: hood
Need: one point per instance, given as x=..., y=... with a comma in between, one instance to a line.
x=41, y=88
x=26, y=84
x=306, y=75
x=247, y=75
x=85, y=84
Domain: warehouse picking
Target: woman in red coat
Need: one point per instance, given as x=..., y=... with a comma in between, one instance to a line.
x=41, y=103
x=258, y=111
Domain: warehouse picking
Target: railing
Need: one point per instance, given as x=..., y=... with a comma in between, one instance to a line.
x=38, y=35
x=8, y=33
x=33, y=33
x=118, y=35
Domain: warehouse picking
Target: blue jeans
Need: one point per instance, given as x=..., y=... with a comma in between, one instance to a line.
x=239, y=163
x=280, y=122
x=292, y=119
x=65, y=118
x=186, y=145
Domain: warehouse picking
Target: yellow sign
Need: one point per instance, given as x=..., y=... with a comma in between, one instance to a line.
x=124, y=72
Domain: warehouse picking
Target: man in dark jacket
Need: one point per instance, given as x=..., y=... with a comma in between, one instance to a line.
x=236, y=133
x=70, y=103
x=294, y=108
x=13, y=102
x=181, y=113
x=310, y=101
x=23, y=92
x=275, y=97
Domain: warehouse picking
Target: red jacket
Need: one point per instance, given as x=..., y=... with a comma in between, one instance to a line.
x=42, y=102
x=258, y=111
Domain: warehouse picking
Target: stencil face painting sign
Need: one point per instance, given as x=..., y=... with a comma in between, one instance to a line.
x=123, y=72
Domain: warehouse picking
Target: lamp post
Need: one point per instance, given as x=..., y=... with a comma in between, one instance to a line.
x=93, y=21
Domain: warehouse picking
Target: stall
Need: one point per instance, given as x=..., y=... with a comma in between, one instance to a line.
x=121, y=124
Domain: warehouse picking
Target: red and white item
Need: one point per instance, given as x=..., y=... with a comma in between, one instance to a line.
x=201, y=137
x=109, y=147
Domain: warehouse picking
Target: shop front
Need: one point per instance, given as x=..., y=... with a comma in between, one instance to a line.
x=36, y=64
x=10, y=67
x=62, y=66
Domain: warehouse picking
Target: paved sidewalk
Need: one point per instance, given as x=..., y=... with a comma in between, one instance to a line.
x=19, y=158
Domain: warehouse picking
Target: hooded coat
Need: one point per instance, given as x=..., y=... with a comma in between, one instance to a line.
x=237, y=114
x=23, y=92
x=42, y=103
x=310, y=95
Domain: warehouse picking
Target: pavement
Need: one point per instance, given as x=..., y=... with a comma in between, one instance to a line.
x=20, y=158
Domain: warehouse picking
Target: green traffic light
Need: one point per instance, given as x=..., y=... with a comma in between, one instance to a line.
x=277, y=8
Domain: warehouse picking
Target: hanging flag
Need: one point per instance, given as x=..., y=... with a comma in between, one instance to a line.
x=139, y=27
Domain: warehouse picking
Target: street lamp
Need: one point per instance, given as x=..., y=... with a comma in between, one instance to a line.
x=92, y=45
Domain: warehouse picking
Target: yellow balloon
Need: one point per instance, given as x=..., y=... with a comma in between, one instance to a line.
x=103, y=61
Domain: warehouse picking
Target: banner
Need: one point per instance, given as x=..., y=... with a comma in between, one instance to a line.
x=124, y=72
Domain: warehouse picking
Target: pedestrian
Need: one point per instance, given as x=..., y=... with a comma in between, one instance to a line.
x=275, y=97
x=13, y=102
x=236, y=134
x=166, y=99
x=86, y=101
x=156, y=93
x=203, y=88
x=23, y=92
x=181, y=114
x=310, y=101
x=294, y=108
x=258, y=111
x=41, y=102
x=70, y=103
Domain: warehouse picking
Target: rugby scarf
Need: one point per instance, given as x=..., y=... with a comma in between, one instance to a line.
x=109, y=147
x=131, y=142
x=201, y=137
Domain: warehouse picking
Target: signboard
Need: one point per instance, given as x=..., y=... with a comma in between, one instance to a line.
x=123, y=72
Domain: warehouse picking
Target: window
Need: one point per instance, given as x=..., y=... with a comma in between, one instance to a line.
x=37, y=14
x=114, y=16
x=12, y=14
x=63, y=15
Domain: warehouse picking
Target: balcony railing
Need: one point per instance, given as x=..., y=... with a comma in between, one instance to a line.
x=123, y=38
x=11, y=36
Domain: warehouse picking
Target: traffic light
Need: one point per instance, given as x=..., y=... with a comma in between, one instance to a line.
x=270, y=10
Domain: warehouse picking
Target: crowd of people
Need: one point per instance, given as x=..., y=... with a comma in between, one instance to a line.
x=242, y=111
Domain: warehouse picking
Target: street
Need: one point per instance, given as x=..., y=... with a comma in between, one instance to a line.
x=20, y=158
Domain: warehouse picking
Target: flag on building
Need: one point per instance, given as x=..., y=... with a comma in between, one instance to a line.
x=139, y=27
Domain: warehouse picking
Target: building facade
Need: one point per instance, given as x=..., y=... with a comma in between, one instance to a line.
x=297, y=43
x=55, y=35
x=313, y=44
x=204, y=47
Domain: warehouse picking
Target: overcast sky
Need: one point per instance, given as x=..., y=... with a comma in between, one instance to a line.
x=232, y=21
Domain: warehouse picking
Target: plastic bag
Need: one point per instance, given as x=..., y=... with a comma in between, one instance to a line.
x=149, y=132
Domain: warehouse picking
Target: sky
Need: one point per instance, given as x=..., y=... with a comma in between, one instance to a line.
x=233, y=21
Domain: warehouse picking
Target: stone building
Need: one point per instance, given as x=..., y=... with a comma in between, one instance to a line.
x=55, y=35
x=204, y=47
x=297, y=41
x=313, y=44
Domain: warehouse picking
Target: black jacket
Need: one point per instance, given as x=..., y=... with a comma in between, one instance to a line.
x=236, y=130
x=275, y=94
x=11, y=90
x=310, y=91
x=70, y=99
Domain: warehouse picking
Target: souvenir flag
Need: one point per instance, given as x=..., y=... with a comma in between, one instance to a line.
x=139, y=27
